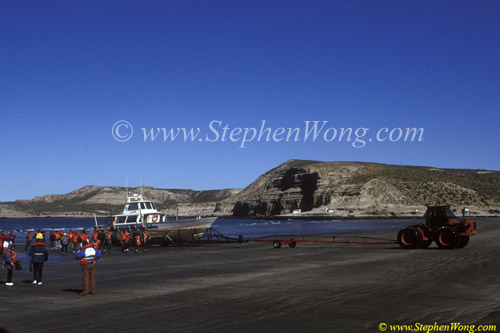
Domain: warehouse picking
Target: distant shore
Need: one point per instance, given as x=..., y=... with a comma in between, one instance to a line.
x=269, y=217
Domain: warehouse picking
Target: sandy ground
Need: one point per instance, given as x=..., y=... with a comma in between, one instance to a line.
x=254, y=287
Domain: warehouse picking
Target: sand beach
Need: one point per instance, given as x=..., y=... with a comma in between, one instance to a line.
x=254, y=287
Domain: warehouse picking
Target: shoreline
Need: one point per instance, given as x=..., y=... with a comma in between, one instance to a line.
x=270, y=217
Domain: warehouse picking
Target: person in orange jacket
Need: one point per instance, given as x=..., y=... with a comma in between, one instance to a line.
x=109, y=240
x=145, y=237
x=125, y=240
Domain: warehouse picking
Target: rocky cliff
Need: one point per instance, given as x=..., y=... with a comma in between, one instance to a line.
x=369, y=188
x=327, y=188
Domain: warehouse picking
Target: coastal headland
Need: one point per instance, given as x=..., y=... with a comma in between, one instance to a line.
x=296, y=189
x=252, y=286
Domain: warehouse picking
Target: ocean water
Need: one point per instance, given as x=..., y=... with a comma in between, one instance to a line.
x=229, y=227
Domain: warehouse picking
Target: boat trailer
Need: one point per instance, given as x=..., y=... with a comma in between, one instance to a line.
x=293, y=240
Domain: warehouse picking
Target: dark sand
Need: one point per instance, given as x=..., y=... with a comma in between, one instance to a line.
x=252, y=287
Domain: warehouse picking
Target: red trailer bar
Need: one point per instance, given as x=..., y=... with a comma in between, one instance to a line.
x=292, y=240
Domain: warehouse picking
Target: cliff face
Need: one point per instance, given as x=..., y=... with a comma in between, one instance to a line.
x=371, y=187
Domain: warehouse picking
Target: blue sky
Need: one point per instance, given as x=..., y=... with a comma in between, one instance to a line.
x=70, y=69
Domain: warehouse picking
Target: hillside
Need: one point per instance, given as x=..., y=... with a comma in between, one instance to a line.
x=364, y=188
x=108, y=200
x=326, y=188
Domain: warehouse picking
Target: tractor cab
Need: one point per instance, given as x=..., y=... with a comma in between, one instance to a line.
x=438, y=216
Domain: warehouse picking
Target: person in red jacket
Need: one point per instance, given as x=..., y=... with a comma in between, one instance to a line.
x=9, y=258
x=88, y=255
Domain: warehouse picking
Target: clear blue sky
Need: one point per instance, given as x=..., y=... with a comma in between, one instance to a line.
x=70, y=69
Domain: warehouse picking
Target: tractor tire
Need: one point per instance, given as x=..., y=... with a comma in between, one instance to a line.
x=447, y=238
x=292, y=244
x=464, y=240
x=276, y=244
x=425, y=244
x=409, y=238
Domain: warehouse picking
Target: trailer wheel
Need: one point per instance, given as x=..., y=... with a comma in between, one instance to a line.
x=425, y=244
x=464, y=240
x=447, y=238
x=277, y=244
x=292, y=244
x=409, y=238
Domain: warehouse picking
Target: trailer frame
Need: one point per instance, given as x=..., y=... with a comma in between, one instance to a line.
x=293, y=240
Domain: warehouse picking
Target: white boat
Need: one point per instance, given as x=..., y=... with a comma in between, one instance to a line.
x=142, y=214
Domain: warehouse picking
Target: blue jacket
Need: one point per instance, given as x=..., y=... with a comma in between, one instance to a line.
x=88, y=254
x=8, y=258
x=39, y=253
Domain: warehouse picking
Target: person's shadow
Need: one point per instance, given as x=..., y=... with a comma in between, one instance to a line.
x=76, y=291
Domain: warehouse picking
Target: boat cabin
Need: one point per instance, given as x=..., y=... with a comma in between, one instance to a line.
x=139, y=211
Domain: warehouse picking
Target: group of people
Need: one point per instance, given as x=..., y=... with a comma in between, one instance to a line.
x=88, y=254
x=137, y=238
x=87, y=249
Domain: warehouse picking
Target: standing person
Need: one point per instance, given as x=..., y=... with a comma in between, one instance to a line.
x=64, y=244
x=88, y=255
x=75, y=241
x=38, y=256
x=125, y=239
x=109, y=240
x=136, y=236
x=12, y=235
x=9, y=257
x=29, y=239
x=52, y=238
x=146, y=237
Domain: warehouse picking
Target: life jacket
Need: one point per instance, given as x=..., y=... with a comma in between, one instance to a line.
x=89, y=258
x=28, y=237
x=125, y=236
x=138, y=240
x=109, y=234
x=95, y=235
x=84, y=237
x=14, y=254
x=146, y=234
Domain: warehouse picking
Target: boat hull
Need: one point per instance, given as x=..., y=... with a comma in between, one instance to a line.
x=173, y=231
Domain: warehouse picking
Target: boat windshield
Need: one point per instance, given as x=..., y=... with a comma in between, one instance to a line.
x=120, y=219
x=132, y=206
x=131, y=219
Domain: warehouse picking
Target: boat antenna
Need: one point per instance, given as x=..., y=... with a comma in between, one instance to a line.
x=140, y=181
x=126, y=185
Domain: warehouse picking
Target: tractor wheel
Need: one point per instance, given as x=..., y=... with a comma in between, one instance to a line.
x=448, y=237
x=277, y=244
x=292, y=244
x=464, y=240
x=409, y=238
x=425, y=244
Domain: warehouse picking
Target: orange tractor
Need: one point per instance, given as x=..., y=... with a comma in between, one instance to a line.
x=441, y=226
